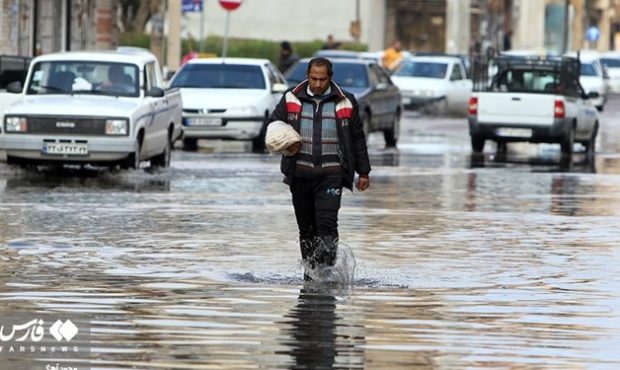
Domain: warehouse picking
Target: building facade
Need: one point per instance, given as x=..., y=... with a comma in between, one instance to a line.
x=33, y=27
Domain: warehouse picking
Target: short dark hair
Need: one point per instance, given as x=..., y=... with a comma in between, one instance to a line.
x=321, y=62
x=286, y=45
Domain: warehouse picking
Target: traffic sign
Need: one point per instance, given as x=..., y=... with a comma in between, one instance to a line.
x=230, y=4
x=191, y=6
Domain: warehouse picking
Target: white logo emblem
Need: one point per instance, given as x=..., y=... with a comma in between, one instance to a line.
x=65, y=124
x=66, y=330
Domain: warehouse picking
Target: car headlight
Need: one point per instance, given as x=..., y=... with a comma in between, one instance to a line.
x=244, y=111
x=16, y=124
x=116, y=127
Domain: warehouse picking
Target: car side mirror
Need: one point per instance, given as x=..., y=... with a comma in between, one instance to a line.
x=278, y=88
x=156, y=92
x=15, y=87
x=593, y=95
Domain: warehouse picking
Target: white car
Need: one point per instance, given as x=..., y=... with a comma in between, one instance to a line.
x=538, y=100
x=12, y=69
x=228, y=98
x=592, y=76
x=103, y=108
x=440, y=80
x=611, y=60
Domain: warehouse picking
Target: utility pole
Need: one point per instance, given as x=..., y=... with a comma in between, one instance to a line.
x=566, y=25
x=173, y=56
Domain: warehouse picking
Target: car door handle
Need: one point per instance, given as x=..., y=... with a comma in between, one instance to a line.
x=516, y=99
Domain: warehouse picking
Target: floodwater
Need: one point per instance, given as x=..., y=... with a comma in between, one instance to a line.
x=457, y=263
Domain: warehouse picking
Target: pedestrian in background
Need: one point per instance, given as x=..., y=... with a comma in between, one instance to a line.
x=287, y=56
x=332, y=149
x=331, y=43
x=393, y=56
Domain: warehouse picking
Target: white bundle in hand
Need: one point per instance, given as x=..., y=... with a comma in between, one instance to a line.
x=280, y=136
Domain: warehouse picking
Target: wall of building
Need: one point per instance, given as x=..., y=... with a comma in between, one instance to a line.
x=33, y=27
x=529, y=32
x=16, y=27
x=292, y=20
x=458, y=26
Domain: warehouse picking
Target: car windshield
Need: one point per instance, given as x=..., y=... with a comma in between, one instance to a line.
x=527, y=81
x=588, y=69
x=220, y=76
x=346, y=75
x=611, y=62
x=422, y=69
x=84, y=77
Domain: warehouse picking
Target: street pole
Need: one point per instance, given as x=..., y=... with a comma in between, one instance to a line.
x=202, y=28
x=566, y=20
x=225, y=47
x=174, y=36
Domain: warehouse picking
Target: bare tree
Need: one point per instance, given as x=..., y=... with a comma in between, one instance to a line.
x=136, y=13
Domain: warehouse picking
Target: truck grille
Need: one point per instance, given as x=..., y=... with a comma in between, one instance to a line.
x=66, y=125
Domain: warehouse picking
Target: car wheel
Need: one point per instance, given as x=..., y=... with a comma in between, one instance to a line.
x=392, y=134
x=502, y=147
x=258, y=143
x=442, y=107
x=366, y=125
x=591, y=143
x=163, y=160
x=133, y=160
x=567, y=144
x=190, y=143
x=477, y=143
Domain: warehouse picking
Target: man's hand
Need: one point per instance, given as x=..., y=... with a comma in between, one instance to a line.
x=363, y=182
x=294, y=148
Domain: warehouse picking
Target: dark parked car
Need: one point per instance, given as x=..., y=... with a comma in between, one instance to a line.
x=378, y=98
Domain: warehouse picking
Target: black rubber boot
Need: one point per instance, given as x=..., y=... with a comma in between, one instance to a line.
x=326, y=250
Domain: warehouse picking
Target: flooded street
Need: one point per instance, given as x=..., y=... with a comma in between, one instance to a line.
x=501, y=262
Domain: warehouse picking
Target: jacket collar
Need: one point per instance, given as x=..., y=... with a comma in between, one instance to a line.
x=300, y=91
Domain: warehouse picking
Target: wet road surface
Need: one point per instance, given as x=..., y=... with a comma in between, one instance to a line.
x=504, y=262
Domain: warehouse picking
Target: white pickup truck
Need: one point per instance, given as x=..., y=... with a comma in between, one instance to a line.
x=539, y=100
x=102, y=108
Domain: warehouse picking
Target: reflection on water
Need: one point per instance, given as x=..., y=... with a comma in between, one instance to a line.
x=510, y=264
x=313, y=330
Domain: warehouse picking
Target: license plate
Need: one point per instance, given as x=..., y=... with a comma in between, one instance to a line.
x=205, y=121
x=514, y=132
x=65, y=148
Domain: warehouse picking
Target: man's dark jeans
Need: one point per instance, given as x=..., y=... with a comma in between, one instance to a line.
x=316, y=203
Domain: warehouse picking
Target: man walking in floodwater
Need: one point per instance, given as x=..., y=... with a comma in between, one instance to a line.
x=332, y=149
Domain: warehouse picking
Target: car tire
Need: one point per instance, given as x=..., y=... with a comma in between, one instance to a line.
x=163, y=160
x=133, y=160
x=591, y=143
x=443, y=109
x=392, y=134
x=366, y=125
x=477, y=143
x=566, y=145
x=258, y=143
x=190, y=143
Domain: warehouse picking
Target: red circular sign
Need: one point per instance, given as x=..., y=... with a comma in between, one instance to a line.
x=230, y=4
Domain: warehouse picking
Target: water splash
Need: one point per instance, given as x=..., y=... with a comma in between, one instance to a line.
x=341, y=273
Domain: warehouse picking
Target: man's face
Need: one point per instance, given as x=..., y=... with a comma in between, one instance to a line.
x=318, y=79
